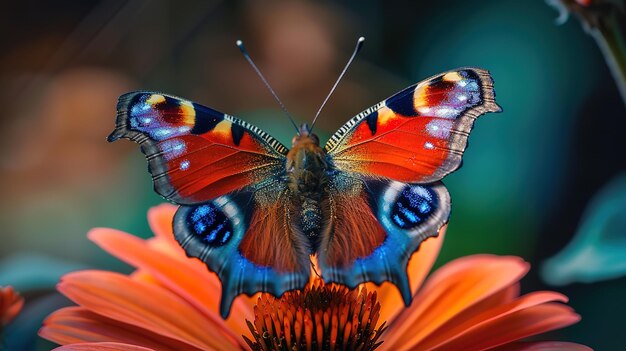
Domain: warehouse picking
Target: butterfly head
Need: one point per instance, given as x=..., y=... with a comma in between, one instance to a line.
x=305, y=137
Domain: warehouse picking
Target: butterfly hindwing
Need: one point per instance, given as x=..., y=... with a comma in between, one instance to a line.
x=247, y=240
x=392, y=218
x=418, y=135
x=194, y=152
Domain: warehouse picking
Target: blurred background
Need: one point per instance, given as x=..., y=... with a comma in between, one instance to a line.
x=544, y=171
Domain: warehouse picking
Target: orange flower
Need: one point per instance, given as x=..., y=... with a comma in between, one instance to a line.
x=10, y=305
x=171, y=303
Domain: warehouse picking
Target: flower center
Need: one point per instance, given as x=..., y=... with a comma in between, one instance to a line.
x=319, y=317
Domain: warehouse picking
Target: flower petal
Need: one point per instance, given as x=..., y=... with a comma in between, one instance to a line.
x=462, y=325
x=160, y=219
x=452, y=289
x=11, y=304
x=543, y=346
x=189, y=278
x=144, y=305
x=424, y=258
x=499, y=298
x=78, y=325
x=102, y=346
x=515, y=326
x=418, y=268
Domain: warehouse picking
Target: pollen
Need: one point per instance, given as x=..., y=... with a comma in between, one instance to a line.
x=319, y=317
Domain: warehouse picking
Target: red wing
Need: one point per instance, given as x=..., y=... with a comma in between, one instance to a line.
x=196, y=153
x=271, y=239
x=418, y=135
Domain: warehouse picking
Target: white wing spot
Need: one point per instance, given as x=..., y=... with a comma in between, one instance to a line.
x=439, y=128
x=184, y=165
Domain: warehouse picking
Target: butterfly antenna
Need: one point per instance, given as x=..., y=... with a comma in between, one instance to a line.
x=258, y=72
x=359, y=45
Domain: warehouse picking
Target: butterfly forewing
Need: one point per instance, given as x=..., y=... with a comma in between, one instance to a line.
x=418, y=135
x=195, y=153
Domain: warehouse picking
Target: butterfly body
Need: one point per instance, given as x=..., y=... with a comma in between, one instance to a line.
x=307, y=167
x=255, y=211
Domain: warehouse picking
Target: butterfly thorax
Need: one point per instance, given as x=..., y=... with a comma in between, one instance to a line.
x=306, y=171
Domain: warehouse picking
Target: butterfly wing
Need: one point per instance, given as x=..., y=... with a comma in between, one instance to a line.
x=418, y=135
x=194, y=152
x=379, y=215
x=248, y=240
x=229, y=178
x=376, y=226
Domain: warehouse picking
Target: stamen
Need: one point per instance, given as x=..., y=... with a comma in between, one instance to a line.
x=319, y=317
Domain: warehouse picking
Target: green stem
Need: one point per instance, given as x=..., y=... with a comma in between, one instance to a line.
x=610, y=39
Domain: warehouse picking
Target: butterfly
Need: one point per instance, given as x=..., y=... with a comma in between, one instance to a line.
x=255, y=211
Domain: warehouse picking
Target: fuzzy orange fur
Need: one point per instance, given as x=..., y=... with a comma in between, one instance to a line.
x=354, y=231
x=272, y=241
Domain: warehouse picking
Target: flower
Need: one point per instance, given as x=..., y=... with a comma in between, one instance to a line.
x=472, y=303
x=171, y=303
x=11, y=304
x=324, y=317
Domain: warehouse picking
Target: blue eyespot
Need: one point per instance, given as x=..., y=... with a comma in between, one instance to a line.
x=413, y=206
x=210, y=224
